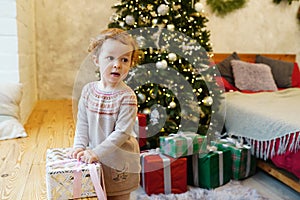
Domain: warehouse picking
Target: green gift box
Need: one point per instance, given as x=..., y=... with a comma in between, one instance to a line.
x=209, y=170
x=243, y=163
x=182, y=144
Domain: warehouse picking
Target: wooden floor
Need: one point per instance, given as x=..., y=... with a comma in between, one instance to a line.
x=22, y=161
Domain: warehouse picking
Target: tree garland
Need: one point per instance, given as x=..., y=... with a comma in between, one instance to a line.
x=289, y=1
x=223, y=7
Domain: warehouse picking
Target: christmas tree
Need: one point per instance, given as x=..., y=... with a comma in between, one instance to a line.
x=174, y=83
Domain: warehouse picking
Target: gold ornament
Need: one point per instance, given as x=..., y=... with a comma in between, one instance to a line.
x=199, y=7
x=207, y=101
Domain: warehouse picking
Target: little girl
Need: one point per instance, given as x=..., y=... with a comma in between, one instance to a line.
x=106, y=115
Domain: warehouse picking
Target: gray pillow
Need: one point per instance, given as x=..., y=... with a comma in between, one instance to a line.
x=282, y=70
x=225, y=67
x=252, y=76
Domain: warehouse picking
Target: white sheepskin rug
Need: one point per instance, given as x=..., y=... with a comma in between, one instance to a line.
x=231, y=191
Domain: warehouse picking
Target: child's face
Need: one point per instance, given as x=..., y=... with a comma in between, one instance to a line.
x=114, y=61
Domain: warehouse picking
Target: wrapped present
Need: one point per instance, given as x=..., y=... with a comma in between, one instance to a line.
x=243, y=163
x=209, y=170
x=162, y=174
x=142, y=122
x=182, y=144
x=68, y=178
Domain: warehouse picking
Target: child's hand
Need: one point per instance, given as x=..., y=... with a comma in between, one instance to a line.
x=87, y=156
x=73, y=153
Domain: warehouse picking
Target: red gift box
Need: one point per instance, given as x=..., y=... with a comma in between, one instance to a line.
x=142, y=137
x=162, y=174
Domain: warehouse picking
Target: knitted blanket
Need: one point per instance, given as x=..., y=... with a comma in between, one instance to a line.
x=263, y=117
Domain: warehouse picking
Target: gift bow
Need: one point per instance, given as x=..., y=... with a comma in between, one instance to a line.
x=166, y=165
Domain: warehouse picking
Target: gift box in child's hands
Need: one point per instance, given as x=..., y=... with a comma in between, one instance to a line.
x=68, y=178
x=162, y=173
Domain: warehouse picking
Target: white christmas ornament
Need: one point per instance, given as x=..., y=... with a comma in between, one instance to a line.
x=142, y=97
x=172, y=57
x=163, y=9
x=207, y=101
x=172, y=104
x=199, y=7
x=162, y=64
x=129, y=19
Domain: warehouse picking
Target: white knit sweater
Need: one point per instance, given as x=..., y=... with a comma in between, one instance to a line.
x=105, y=121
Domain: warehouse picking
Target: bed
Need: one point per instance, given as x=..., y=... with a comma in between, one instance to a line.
x=262, y=106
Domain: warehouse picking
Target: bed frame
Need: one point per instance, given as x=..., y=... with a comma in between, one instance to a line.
x=267, y=166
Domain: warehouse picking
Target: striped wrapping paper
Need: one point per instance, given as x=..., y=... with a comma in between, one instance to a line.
x=182, y=144
x=243, y=163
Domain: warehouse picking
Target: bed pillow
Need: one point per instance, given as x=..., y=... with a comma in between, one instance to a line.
x=296, y=76
x=252, y=76
x=10, y=98
x=282, y=70
x=225, y=67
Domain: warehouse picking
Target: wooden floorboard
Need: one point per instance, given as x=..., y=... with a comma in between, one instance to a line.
x=51, y=125
x=285, y=177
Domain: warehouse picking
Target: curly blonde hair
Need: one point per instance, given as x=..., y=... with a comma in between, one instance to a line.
x=119, y=35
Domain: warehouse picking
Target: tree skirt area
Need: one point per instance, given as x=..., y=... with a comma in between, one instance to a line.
x=233, y=190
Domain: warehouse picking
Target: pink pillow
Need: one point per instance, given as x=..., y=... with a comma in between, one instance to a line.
x=253, y=76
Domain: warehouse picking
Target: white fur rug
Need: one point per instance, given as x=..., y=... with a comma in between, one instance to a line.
x=233, y=190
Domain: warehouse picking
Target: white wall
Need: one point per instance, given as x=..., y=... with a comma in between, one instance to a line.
x=17, y=50
x=27, y=55
x=260, y=27
x=64, y=29
x=9, y=68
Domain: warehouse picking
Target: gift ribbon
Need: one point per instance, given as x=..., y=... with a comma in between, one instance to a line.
x=187, y=136
x=166, y=165
x=221, y=167
x=167, y=174
x=248, y=167
x=101, y=192
x=195, y=169
x=77, y=181
x=143, y=155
